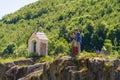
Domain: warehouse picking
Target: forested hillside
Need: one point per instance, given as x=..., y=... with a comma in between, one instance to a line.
x=98, y=21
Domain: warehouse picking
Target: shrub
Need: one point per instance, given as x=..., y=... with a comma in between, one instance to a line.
x=9, y=49
x=108, y=46
x=21, y=51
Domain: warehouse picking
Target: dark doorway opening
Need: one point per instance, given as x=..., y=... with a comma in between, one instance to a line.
x=34, y=46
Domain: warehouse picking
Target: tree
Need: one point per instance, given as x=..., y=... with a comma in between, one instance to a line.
x=9, y=49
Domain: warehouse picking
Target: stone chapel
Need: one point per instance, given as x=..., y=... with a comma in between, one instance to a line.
x=38, y=43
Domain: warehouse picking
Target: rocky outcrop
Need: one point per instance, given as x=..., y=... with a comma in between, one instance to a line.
x=3, y=68
x=17, y=72
x=68, y=68
x=17, y=69
x=64, y=68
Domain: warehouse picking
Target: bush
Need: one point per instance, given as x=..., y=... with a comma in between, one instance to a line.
x=61, y=46
x=22, y=51
x=9, y=49
x=108, y=46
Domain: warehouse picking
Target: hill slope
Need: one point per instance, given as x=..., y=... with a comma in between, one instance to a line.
x=98, y=20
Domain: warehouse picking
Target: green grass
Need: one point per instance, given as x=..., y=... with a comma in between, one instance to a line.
x=89, y=55
x=45, y=59
x=84, y=54
x=50, y=59
x=9, y=59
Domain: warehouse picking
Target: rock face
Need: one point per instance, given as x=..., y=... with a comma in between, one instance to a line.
x=63, y=68
x=17, y=69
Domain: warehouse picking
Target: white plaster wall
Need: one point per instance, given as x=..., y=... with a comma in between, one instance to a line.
x=38, y=45
x=46, y=42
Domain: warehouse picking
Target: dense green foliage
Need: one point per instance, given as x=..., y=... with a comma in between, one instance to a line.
x=98, y=21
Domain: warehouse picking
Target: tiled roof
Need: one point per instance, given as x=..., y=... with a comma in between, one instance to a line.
x=41, y=35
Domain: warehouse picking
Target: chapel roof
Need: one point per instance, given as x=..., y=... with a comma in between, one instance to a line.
x=41, y=36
